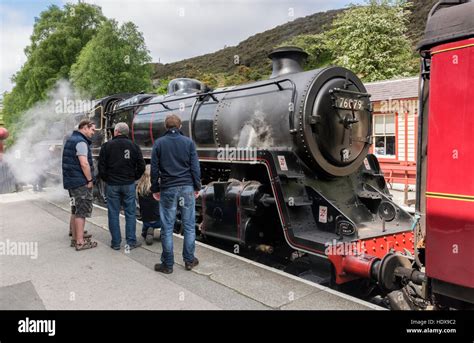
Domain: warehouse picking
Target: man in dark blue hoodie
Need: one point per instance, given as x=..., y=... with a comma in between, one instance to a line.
x=176, y=181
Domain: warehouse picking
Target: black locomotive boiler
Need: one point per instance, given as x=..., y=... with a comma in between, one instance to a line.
x=284, y=162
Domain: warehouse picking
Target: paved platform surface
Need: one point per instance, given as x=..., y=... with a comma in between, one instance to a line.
x=38, y=270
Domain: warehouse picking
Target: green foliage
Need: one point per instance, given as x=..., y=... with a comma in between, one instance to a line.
x=115, y=60
x=58, y=37
x=316, y=47
x=163, y=87
x=368, y=39
x=210, y=80
x=238, y=75
x=243, y=74
x=371, y=40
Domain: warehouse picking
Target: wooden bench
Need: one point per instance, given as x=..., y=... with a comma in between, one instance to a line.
x=396, y=172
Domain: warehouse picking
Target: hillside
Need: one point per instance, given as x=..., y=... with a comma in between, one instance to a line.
x=253, y=50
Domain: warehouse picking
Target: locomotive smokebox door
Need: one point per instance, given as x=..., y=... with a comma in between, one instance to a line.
x=337, y=124
x=343, y=129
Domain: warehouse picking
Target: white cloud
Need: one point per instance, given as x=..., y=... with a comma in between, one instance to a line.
x=14, y=37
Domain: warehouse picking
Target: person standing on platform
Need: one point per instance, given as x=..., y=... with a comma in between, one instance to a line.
x=121, y=163
x=77, y=169
x=176, y=181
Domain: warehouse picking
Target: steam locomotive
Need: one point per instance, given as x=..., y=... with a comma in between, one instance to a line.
x=284, y=163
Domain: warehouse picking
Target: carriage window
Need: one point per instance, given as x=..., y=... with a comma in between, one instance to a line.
x=384, y=135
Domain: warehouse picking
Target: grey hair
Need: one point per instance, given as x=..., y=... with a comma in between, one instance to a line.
x=122, y=128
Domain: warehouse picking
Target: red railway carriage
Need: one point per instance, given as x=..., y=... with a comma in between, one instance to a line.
x=446, y=181
x=450, y=183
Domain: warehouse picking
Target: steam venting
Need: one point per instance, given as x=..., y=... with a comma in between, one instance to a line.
x=35, y=157
x=287, y=60
x=256, y=133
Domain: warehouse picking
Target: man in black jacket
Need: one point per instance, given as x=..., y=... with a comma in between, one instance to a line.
x=120, y=164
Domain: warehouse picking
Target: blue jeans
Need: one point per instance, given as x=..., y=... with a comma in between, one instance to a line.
x=147, y=225
x=170, y=199
x=117, y=196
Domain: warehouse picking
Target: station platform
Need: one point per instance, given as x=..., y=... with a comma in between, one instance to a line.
x=39, y=270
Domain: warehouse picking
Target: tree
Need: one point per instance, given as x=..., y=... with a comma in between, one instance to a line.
x=371, y=40
x=58, y=37
x=115, y=60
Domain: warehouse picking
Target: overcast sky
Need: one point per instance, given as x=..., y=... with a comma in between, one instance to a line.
x=173, y=30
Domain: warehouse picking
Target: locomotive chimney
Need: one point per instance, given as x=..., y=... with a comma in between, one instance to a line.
x=287, y=60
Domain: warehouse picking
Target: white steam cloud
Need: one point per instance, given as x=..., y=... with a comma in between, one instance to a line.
x=35, y=157
x=256, y=133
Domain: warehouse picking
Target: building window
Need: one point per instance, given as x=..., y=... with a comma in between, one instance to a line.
x=384, y=135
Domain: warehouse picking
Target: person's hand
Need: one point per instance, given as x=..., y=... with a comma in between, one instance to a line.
x=196, y=194
x=156, y=196
x=90, y=184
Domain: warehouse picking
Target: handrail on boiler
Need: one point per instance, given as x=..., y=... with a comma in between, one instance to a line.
x=202, y=96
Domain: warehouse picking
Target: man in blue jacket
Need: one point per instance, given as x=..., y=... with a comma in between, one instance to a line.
x=176, y=181
x=77, y=168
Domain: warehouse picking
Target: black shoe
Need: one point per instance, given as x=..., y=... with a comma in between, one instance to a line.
x=191, y=265
x=159, y=267
x=150, y=234
x=115, y=247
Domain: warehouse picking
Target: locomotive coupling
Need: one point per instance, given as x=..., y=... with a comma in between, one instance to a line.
x=391, y=272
